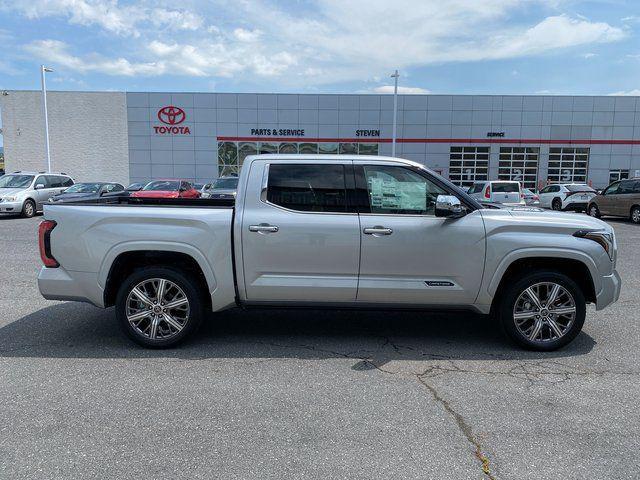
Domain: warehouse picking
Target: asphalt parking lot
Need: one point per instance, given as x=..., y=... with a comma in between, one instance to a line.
x=299, y=394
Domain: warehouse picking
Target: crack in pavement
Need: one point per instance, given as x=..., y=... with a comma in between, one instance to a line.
x=463, y=426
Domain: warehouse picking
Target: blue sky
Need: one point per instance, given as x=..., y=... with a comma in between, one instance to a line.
x=443, y=46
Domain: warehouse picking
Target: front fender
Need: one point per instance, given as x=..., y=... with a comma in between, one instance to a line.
x=542, y=252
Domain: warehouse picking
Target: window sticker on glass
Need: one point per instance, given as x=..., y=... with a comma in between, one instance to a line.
x=392, y=194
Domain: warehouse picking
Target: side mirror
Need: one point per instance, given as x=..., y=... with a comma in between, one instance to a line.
x=449, y=206
x=599, y=192
x=39, y=186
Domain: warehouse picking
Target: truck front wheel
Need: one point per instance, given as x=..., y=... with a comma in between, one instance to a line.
x=159, y=307
x=542, y=310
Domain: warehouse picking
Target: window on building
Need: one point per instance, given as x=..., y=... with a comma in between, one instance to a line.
x=307, y=188
x=348, y=148
x=468, y=165
x=519, y=164
x=568, y=165
x=288, y=148
x=368, y=149
x=231, y=155
x=309, y=148
x=615, y=175
x=245, y=149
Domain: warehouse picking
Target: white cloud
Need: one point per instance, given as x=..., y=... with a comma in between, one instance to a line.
x=246, y=35
x=56, y=53
x=589, y=55
x=629, y=93
x=327, y=41
x=108, y=14
x=403, y=90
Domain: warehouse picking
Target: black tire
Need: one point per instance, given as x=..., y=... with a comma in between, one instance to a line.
x=28, y=208
x=513, y=290
x=556, y=204
x=190, y=289
x=635, y=214
x=593, y=211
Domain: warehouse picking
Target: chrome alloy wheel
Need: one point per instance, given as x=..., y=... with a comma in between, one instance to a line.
x=157, y=308
x=544, y=312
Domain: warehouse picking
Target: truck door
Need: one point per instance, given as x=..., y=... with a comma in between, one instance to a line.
x=300, y=238
x=409, y=255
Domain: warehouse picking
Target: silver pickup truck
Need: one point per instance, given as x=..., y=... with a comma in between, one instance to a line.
x=334, y=232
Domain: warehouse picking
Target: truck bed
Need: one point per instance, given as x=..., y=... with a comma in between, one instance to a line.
x=89, y=236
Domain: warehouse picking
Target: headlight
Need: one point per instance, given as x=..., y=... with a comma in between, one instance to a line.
x=604, y=238
x=8, y=199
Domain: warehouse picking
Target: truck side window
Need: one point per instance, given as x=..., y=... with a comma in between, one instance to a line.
x=400, y=191
x=307, y=188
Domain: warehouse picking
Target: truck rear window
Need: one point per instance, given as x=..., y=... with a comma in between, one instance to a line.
x=307, y=188
x=505, y=187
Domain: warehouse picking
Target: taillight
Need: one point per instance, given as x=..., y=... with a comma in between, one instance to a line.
x=487, y=192
x=44, y=241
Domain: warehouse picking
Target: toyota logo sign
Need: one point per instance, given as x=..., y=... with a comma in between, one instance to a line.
x=171, y=115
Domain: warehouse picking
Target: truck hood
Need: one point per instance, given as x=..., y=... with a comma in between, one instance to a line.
x=537, y=219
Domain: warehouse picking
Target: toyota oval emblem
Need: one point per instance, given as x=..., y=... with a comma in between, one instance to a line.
x=171, y=115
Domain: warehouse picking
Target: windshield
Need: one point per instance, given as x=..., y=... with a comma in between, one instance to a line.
x=505, y=187
x=162, y=185
x=579, y=188
x=83, y=188
x=15, y=181
x=230, y=183
x=526, y=191
x=198, y=186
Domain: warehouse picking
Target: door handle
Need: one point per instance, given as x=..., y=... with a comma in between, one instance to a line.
x=377, y=230
x=263, y=228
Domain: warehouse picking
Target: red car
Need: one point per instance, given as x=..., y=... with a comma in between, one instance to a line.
x=167, y=189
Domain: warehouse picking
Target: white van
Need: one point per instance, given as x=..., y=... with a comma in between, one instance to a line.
x=497, y=191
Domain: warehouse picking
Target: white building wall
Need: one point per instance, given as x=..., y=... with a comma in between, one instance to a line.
x=87, y=131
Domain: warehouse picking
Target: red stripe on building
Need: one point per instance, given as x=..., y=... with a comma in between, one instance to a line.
x=528, y=141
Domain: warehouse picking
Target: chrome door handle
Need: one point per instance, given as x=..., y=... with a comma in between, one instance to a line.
x=377, y=230
x=263, y=228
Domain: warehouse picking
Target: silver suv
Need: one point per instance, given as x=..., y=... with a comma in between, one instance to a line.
x=25, y=192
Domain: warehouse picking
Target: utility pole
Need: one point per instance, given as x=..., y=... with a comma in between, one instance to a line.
x=44, y=70
x=395, y=113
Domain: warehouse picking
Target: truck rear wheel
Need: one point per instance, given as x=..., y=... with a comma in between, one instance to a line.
x=542, y=310
x=158, y=307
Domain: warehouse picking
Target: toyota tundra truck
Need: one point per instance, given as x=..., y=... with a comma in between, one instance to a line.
x=334, y=231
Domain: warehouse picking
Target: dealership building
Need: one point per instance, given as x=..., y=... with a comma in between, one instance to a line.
x=138, y=136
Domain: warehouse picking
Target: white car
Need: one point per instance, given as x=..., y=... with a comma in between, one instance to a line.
x=566, y=196
x=497, y=191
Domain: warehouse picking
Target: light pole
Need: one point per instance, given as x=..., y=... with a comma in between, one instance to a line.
x=44, y=70
x=395, y=112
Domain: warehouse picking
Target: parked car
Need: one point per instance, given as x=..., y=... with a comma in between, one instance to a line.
x=167, y=189
x=530, y=197
x=566, y=196
x=620, y=199
x=86, y=191
x=25, y=192
x=135, y=187
x=301, y=234
x=497, y=191
x=223, y=188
